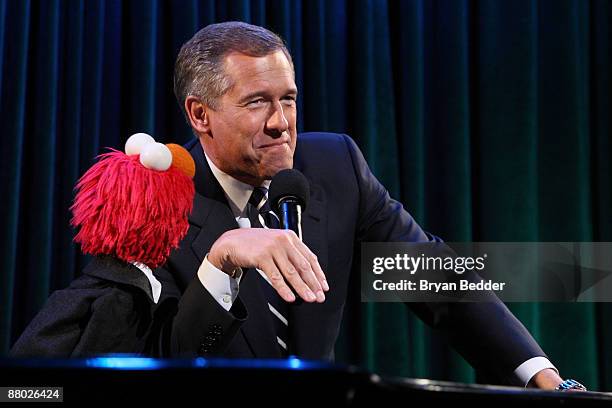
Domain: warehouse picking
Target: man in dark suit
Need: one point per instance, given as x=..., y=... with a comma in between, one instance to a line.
x=236, y=85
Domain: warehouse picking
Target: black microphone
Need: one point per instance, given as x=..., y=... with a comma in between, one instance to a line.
x=289, y=194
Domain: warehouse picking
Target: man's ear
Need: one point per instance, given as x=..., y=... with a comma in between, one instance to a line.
x=197, y=112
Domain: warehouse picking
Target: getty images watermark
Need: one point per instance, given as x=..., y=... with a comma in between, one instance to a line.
x=476, y=271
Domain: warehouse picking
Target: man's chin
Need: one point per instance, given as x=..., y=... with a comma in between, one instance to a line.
x=272, y=170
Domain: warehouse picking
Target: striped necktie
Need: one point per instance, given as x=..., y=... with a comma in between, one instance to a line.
x=262, y=216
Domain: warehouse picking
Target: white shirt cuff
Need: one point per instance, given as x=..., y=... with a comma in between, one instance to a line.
x=219, y=284
x=525, y=372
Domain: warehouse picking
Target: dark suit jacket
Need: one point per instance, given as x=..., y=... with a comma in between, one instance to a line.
x=347, y=206
x=109, y=309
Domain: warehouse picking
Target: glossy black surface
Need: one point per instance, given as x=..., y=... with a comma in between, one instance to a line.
x=290, y=382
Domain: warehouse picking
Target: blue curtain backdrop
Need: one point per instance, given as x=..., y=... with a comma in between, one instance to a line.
x=488, y=119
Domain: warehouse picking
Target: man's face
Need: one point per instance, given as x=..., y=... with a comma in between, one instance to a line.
x=252, y=133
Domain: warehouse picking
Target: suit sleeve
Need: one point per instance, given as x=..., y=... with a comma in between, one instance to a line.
x=200, y=327
x=487, y=334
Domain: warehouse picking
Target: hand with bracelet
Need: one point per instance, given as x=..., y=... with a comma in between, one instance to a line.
x=549, y=379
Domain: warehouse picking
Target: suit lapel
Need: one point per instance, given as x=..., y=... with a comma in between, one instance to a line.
x=314, y=224
x=113, y=269
x=306, y=317
x=211, y=214
x=212, y=219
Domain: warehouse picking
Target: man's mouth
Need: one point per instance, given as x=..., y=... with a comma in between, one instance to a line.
x=276, y=143
x=270, y=145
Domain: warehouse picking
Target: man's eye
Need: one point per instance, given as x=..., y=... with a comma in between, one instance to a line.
x=256, y=102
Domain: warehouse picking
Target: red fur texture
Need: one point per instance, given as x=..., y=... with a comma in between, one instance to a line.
x=126, y=210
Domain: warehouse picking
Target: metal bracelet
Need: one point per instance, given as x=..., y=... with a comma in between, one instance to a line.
x=570, y=384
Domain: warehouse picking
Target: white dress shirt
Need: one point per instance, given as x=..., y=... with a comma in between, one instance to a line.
x=225, y=289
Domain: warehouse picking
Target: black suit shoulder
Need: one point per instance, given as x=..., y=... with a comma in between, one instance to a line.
x=93, y=315
x=329, y=160
x=327, y=149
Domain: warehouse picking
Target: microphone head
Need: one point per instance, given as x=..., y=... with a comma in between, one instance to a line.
x=289, y=183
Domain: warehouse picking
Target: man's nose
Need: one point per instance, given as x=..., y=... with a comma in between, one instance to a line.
x=277, y=122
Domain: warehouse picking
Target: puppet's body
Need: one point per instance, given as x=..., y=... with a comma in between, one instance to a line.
x=109, y=309
x=130, y=217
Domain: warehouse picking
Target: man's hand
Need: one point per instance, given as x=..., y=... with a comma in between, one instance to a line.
x=547, y=379
x=279, y=254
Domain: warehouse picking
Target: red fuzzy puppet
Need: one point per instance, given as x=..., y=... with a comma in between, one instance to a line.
x=127, y=208
x=131, y=210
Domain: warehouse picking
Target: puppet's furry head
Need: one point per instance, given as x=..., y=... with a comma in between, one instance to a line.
x=132, y=212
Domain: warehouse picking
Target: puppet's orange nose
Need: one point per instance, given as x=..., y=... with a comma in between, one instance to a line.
x=181, y=159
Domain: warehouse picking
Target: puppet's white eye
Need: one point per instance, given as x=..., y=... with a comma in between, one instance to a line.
x=137, y=142
x=156, y=156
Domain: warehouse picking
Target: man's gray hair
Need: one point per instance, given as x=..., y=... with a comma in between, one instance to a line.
x=199, y=68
